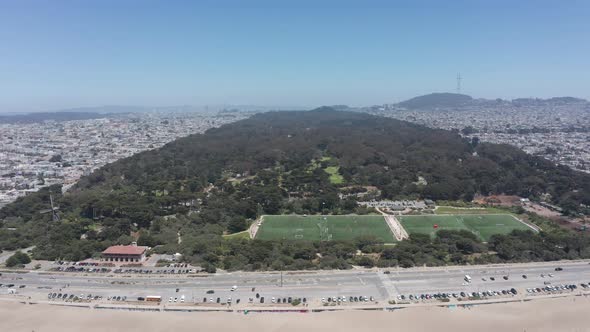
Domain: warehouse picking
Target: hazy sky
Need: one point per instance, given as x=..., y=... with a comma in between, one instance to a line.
x=56, y=54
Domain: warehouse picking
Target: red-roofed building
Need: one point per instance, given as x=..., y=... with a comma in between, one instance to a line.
x=131, y=253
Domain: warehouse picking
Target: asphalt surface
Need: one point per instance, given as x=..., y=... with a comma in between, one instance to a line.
x=315, y=285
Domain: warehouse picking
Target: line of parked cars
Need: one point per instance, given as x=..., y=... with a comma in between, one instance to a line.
x=554, y=288
x=81, y=263
x=228, y=301
x=176, y=299
x=261, y=299
x=287, y=300
x=12, y=285
x=82, y=269
x=117, y=298
x=150, y=271
x=459, y=295
x=72, y=297
x=174, y=268
x=344, y=299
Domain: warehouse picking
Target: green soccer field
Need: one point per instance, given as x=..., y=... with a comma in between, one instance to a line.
x=323, y=228
x=484, y=225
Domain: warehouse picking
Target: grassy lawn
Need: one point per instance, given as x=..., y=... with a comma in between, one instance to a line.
x=323, y=228
x=239, y=235
x=335, y=177
x=94, y=227
x=484, y=225
x=333, y=171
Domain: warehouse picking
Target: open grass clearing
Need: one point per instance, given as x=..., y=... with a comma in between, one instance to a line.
x=335, y=177
x=483, y=225
x=324, y=228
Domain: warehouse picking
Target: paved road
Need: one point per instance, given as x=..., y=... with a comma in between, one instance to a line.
x=311, y=285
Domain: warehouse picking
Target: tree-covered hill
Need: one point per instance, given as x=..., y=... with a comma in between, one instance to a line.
x=271, y=163
x=434, y=100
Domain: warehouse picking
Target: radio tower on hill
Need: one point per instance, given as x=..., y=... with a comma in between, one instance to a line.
x=459, y=78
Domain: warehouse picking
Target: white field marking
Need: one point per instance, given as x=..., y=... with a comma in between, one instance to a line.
x=533, y=227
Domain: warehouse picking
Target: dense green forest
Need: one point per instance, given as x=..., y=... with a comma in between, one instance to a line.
x=209, y=184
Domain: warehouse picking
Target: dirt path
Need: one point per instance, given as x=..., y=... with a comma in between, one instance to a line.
x=254, y=227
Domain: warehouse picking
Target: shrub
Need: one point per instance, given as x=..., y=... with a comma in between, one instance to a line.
x=19, y=258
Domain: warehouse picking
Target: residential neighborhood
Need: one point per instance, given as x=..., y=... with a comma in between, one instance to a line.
x=34, y=155
x=554, y=129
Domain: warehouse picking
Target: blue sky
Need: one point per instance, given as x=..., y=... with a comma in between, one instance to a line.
x=58, y=54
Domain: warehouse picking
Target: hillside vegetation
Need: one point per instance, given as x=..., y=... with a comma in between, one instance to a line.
x=209, y=184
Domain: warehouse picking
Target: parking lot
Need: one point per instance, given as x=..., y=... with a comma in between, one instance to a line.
x=86, y=267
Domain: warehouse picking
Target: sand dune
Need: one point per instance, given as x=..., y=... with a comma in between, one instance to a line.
x=563, y=314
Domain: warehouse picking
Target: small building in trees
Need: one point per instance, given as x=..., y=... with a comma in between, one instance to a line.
x=132, y=253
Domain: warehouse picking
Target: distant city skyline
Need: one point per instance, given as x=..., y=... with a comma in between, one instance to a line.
x=64, y=54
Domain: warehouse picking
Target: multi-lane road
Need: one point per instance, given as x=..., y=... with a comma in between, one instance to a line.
x=383, y=285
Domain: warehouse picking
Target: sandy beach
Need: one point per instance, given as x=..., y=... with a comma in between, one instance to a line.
x=557, y=314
